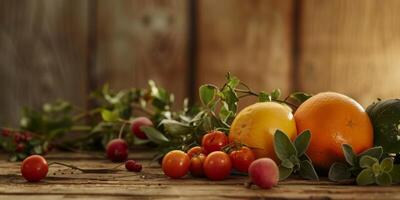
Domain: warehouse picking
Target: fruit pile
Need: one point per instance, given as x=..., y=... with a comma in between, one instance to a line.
x=328, y=133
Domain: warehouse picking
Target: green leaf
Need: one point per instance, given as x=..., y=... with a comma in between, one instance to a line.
x=174, y=127
x=384, y=179
x=395, y=174
x=264, y=97
x=339, y=171
x=276, y=94
x=137, y=141
x=38, y=149
x=287, y=163
x=231, y=98
x=284, y=148
x=367, y=161
x=349, y=154
x=307, y=170
x=365, y=177
x=387, y=164
x=154, y=135
x=302, y=142
x=284, y=172
x=300, y=97
x=225, y=114
x=109, y=116
x=375, y=152
x=232, y=81
x=207, y=94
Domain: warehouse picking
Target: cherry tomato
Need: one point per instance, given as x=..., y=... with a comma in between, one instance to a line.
x=34, y=168
x=195, y=151
x=214, y=141
x=196, y=165
x=242, y=158
x=137, y=124
x=176, y=164
x=217, y=165
x=117, y=150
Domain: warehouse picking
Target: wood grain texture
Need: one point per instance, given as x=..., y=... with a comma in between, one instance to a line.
x=251, y=39
x=63, y=183
x=350, y=47
x=42, y=54
x=140, y=40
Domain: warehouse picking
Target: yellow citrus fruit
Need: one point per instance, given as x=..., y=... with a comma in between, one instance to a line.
x=255, y=126
x=333, y=119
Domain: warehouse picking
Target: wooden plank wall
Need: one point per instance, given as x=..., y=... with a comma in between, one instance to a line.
x=251, y=40
x=351, y=47
x=43, y=54
x=61, y=48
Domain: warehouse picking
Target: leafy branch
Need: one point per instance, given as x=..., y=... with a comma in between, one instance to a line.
x=293, y=157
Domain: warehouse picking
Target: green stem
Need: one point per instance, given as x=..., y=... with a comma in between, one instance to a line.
x=121, y=130
x=66, y=165
x=86, y=113
x=81, y=128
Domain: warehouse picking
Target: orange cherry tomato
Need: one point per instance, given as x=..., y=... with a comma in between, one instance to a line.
x=217, y=165
x=242, y=158
x=197, y=150
x=176, y=164
x=214, y=141
x=196, y=165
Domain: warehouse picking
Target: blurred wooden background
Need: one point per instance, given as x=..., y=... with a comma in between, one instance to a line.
x=53, y=49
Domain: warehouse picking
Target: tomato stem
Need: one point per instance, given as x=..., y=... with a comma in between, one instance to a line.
x=121, y=131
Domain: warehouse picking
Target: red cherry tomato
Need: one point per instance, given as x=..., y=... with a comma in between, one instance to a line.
x=217, y=165
x=137, y=124
x=197, y=150
x=214, y=141
x=242, y=158
x=34, y=168
x=196, y=165
x=176, y=164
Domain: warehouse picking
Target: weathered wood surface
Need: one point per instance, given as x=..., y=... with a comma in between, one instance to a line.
x=63, y=183
x=350, y=47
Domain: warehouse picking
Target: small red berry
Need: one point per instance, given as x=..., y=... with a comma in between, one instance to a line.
x=27, y=136
x=137, y=167
x=20, y=147
x=132, y=166
x=18, y=138
x=5, y=133
x=129, y=164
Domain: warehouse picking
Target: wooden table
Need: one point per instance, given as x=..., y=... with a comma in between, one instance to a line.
x=63, y=183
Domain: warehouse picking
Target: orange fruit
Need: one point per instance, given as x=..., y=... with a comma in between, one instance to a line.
x=333, y=119
x=255, y=126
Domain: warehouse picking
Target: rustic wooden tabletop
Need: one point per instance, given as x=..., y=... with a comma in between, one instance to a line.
x=63, y=183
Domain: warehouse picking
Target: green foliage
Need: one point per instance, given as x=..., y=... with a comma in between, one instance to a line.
x=374, y=172
x=369, y=167
x=52, y=121
x=113, y=112
x=292, y=155
x=385, y=118
x=344, y=171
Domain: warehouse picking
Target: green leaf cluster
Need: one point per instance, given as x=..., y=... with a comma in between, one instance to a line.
x=52, y=121
x=293, y=157
x=368, y=167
